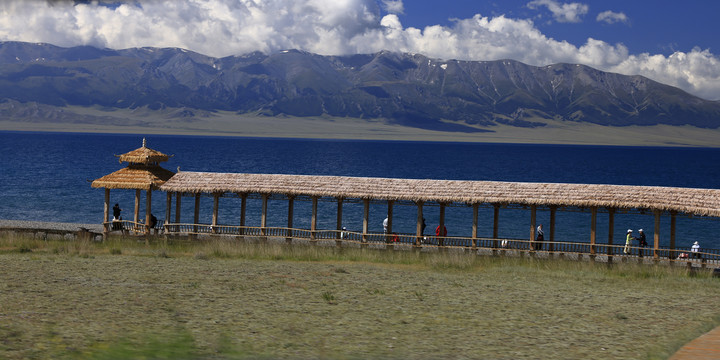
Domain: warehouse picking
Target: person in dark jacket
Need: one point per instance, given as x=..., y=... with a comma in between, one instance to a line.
x=116, y=211
x=116, y=224
x=642, y=242
x=153, y=221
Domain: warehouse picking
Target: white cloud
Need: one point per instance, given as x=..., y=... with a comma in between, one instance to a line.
x=334, y=27
x=571, y=12
x=393, y=6
x=611, y=17
x=697, y=71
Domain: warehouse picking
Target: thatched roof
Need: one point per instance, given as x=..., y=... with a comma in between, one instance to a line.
x=135, y=176
x=143, y=155
x=704, y=202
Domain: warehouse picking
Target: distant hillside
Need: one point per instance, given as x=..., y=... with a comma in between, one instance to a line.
x=405, y=89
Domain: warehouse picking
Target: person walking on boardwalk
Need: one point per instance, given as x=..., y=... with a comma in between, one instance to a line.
x=695, y=250
x=440, y=233
x=116, y=211
x=540, y=237
x=153, y=221
x=628, y=241
x=642, y=242
x=116, y=224
x=385, y=225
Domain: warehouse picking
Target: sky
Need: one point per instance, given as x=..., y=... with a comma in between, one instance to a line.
x=673, y=42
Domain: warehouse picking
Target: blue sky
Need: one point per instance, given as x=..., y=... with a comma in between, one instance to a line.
x=656, y=27
x=673, y=42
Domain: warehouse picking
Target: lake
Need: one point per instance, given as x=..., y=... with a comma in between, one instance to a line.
x=46, y=176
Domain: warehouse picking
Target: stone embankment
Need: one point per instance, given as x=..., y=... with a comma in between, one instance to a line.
x=51, y=230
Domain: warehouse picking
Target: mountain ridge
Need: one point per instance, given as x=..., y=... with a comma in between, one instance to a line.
x=404, y=89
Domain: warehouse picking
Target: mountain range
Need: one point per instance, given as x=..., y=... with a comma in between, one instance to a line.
x=39, y=80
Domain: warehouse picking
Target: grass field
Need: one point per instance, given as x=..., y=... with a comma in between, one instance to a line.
x=229, y=299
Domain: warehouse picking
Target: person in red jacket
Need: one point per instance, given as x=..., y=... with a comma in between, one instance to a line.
x=437, y=231
x=441, y=235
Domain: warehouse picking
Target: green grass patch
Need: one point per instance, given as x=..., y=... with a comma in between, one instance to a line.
x=171, y=345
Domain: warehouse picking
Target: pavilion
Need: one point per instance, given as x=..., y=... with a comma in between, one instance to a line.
x=141, y=173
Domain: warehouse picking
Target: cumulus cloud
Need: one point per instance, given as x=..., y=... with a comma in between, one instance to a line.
x=611, y=17
x=213, y=27
x=696, y=71
x=333, y=27
x=571, y=13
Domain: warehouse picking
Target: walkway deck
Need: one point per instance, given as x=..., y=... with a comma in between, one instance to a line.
x=706, y=347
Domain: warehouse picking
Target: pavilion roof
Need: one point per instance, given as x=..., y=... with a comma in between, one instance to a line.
x=143, y=155
x=135, y=176
x=705, y=202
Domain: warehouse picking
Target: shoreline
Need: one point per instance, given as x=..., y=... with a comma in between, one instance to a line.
x=324, y=128
x=6, y=224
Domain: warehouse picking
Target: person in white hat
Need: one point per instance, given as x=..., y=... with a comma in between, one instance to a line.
x=695, y=249
x=628, y=241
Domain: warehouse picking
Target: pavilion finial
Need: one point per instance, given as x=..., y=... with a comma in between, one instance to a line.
x=144, y=142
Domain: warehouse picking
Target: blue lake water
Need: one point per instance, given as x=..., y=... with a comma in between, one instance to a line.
x=46, y=176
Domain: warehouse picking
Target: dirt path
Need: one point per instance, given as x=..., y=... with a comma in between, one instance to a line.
x=706, y=347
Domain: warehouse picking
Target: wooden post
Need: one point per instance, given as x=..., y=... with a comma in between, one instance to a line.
x=148, y=213
x=291, y=207
x=168, y=207
x=611, y=229
x=263, y=216
x=136, y=218
x=366, y=221
x=656, y=245
x=441, y=226
x=178, y=196
x=533, y=221
x=672, y=254
x=418, y=227
x=168, y=213
x=106, y=215
x=496, y=222
x=389, y=235
x=313, y=222
x=551, y=245
x=475, y=227
x=216, y=205
x=196, y=217
x=339, y=234
x=593, y=231
x=243, y=210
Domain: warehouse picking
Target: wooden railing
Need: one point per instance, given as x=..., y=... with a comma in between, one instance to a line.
x=126, y=226
x=705, y=256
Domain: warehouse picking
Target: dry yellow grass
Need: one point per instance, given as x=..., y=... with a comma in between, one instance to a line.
x=123, y=299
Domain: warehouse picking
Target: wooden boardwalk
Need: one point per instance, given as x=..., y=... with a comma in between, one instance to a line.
x=706, y=347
